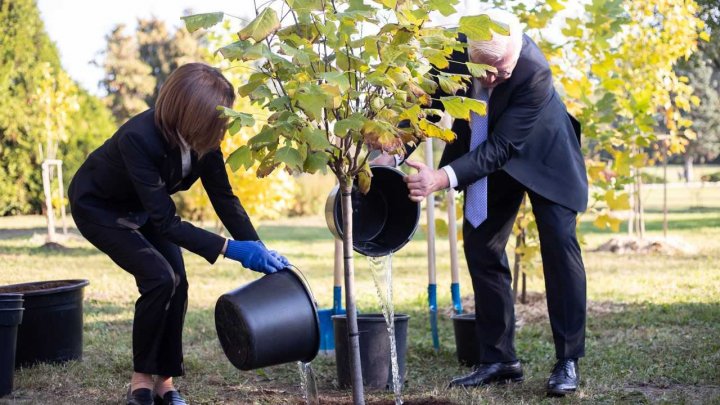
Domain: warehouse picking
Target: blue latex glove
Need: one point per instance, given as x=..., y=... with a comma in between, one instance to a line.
x=282, y=259
x=253, y=255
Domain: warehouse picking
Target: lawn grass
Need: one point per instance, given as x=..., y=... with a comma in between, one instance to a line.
x=653, y=332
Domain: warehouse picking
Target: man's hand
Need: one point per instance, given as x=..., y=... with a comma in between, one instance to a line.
x=425, y=181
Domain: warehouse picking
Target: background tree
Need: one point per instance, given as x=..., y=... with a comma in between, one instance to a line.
x=128, y=80
x=136, y=65
x=703, y=70
x=622, y=89
x=29, y=65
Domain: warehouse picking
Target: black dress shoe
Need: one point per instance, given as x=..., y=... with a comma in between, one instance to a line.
x=170, y=398
x=564, y=378
x=489, y=373
x=141, y=396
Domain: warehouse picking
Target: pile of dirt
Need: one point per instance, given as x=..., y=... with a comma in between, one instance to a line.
x=653, y=245
x=534, y=310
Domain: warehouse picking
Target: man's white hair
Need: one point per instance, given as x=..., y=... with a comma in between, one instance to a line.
x=496, y=48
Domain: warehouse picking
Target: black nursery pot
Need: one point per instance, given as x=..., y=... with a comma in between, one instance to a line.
x=269, y=321
x=384, y=219
x=10, y=318
x=465, y=340
x=374, y=349
x=52, y=327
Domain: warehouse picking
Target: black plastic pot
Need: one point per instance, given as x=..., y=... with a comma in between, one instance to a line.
x=11, y=301
x=374, y=349
x=465, y=339
x=52, y=323
x=384, y=219
x=269, y=321
x=9, y=321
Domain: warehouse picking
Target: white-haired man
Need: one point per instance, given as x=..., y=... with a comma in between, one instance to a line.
x=527, y=143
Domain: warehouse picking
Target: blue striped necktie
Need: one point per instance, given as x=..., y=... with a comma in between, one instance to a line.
x=476, y=193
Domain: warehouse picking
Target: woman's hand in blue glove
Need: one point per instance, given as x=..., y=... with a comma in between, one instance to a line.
x=282, y=259
x=253, y=255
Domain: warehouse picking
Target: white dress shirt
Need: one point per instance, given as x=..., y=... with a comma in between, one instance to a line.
x=185, y=158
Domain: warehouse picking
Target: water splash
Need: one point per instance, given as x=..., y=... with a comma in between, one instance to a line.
x=308, y=384
x=382, y=266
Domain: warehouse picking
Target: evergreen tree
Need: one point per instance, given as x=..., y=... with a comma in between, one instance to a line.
x=136, y=66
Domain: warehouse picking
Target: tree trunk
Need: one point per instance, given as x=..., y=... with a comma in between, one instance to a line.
x=640, y=207
x=688, y=169
x=353, y=336
x=517, y=265
x=665, y=181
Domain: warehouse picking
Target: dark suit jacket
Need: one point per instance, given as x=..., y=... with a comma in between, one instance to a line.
x=530, y=134
x=128, y=181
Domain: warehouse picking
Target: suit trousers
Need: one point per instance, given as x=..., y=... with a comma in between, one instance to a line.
x=563, y=268
x=159, y=272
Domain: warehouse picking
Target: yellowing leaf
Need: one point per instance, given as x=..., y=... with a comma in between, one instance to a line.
x=433, y=131
x=263, y=25
x=619, y=202
x=363, y=179
x=480, y=69
x=448, y=85
x=605, y=221
x=460, y=107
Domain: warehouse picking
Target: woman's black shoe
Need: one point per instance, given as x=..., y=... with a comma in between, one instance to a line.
x=141, y=396
x=170, y=398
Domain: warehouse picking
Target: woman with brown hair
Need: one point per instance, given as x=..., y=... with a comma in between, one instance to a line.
x=121, y=203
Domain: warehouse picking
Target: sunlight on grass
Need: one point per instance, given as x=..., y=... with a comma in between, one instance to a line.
x=670, y=307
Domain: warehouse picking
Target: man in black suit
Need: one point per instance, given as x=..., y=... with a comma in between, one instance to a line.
x=527, y=143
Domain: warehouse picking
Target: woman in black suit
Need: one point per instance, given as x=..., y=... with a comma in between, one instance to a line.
x=121, y=203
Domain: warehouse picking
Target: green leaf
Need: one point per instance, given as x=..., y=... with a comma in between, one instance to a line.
x=205, y=20
x=480, y=69
x=305, y=5
x=460, y=107
x=315, y=138
x=291, y=157
x=244, y=50
x=311, y=99
x=480, y=27
x=340, y=79
x=255, y=80
x=242, y=156
x=316, y=161
x=263, y=25
x=445, y=7
x=448, y=85
x=353, y=122
x=245, y=119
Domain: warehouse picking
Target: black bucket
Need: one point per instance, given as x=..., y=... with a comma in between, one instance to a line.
x=465, y=339
x=52, y=327
x=9, y=321
x=269, y=321
x=384, y=219
x=374, y=349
